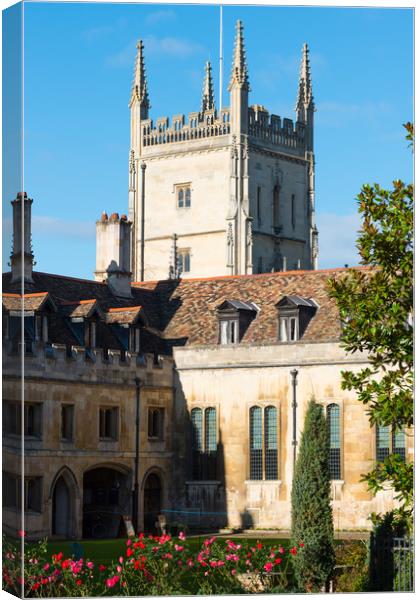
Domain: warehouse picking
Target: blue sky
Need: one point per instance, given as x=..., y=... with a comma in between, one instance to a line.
x=78, y=72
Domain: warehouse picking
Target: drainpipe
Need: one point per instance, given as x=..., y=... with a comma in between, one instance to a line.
x=294, y=373
x=135, y=508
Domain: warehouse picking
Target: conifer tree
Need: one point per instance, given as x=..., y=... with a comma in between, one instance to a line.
x=312, y=523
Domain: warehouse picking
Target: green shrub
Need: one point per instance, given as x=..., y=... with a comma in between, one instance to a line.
x=312, y=523
x=352, y=570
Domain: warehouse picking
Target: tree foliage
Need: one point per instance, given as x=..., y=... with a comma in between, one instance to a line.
x=312, y=522
x=376, y=308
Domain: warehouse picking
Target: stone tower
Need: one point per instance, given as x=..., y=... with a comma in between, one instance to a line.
x=236, y=186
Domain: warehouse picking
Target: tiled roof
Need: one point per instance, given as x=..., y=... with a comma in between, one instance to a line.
x=189, y=306
x=185, y=311
x=124, y=315
x=12, y=301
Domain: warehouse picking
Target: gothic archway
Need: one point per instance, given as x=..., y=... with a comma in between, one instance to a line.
x=63, y=495
x=106, y=498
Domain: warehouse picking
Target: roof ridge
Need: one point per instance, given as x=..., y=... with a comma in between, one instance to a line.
x=276, y=273
x=122, y=308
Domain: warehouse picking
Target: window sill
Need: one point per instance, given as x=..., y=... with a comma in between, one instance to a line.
x=263, y=481
x=108, y=439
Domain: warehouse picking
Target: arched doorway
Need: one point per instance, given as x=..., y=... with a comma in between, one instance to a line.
x=61, y=509
x=106, y=498
x=152, y=502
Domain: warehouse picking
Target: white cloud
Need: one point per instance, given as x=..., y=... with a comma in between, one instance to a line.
x=337, y=114
x=55, y=227
x=159, y=16
x=167, y=46
x=96, y=32
x=337, y=240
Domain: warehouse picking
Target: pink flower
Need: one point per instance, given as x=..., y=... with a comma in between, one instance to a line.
x=89, y=565
x=220, y=563
x=179, y=548
x=78, y=582
x=233, y=571
x=112, y=581
x=281, y=549
x=190, y=562
x=213, y=563
x=206, y=573
x=119, y=569
x=121, y=560
x=22, y=533
x=102, y=567
x=268, y=567
x=46, y=566
x=181, y=536
x=128, y=542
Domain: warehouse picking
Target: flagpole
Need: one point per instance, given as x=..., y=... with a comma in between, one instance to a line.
x=221, y=59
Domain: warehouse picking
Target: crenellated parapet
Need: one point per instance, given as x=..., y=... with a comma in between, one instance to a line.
x=197, y=126
x=271, y=128
x=95, y=365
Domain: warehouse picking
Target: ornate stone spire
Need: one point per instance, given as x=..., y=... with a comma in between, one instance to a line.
x=207, y=101
x=305, y=99
x=239, y=74
x=139, y=90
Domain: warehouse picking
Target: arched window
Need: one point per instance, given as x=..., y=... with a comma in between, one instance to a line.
x=255, y=443
x=204, y=444
x=180, y=198
x=333, y=421
x=210, y=466
x=270, y=442
x=263, y=444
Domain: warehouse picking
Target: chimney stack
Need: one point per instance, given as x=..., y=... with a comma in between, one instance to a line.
x=22, y=258
x=113, y=249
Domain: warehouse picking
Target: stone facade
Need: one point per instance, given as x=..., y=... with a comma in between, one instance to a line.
x=55, y=379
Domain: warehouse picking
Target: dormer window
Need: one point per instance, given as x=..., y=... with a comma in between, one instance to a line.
x=229, y=331
x=289, y=329
x=295, y=314
x=234, y=318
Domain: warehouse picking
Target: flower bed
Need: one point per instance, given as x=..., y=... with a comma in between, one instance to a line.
x=151, y=565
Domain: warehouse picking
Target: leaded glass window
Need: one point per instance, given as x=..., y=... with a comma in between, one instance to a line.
x=263, y=444
x=256, y=453
x=204, y=443
x=382, y=442
x=270, y=442
x=398, y=443
x=180, y=198
x=333, y=421
x=210, y=444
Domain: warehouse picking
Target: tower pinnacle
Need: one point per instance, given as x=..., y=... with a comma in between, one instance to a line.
x=207, y=102
x=139, y=90
x=305, y=99
x=239, y=74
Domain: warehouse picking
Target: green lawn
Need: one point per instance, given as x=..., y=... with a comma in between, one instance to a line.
x=106, y=551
